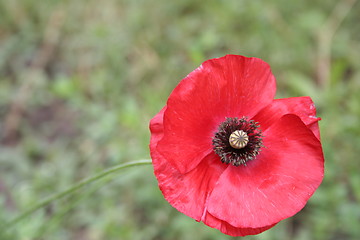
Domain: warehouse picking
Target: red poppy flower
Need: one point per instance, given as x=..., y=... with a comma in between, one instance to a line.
x=226, y=153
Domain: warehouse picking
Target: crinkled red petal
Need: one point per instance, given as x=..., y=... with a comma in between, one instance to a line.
x=186, y=192
x=228, y=229
x=156, y=129
x=275, y=185
x=231, y=86
x=303, y=107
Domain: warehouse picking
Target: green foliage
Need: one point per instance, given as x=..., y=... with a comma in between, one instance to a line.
x=80, y=80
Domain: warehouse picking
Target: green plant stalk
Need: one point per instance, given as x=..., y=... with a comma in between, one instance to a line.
x=74, y=188
x=47, y=227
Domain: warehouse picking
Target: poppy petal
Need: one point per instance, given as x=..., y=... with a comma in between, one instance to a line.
x=228, y=229
x=275, y=185
x=303, y=107
x=157, y=128
x=186, y=192
x=230, y=86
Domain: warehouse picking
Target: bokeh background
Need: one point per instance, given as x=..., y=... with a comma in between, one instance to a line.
x=80, y=80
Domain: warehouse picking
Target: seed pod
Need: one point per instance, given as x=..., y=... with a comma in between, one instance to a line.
x=238, y=139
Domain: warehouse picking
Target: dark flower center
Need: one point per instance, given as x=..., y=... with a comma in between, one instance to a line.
x=237, y=141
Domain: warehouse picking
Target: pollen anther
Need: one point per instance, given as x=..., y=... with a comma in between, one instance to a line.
x=238, y=139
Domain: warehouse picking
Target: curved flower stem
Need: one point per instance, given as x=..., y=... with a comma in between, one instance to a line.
x=74, y=188
x=78, y=197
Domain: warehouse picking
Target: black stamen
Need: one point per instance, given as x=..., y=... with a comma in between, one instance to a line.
x=229, y=154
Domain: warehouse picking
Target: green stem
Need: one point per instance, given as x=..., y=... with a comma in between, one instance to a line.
x=73, y=188
x=80, y=195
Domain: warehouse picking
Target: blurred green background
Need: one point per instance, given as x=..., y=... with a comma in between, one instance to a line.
x=80, y=80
